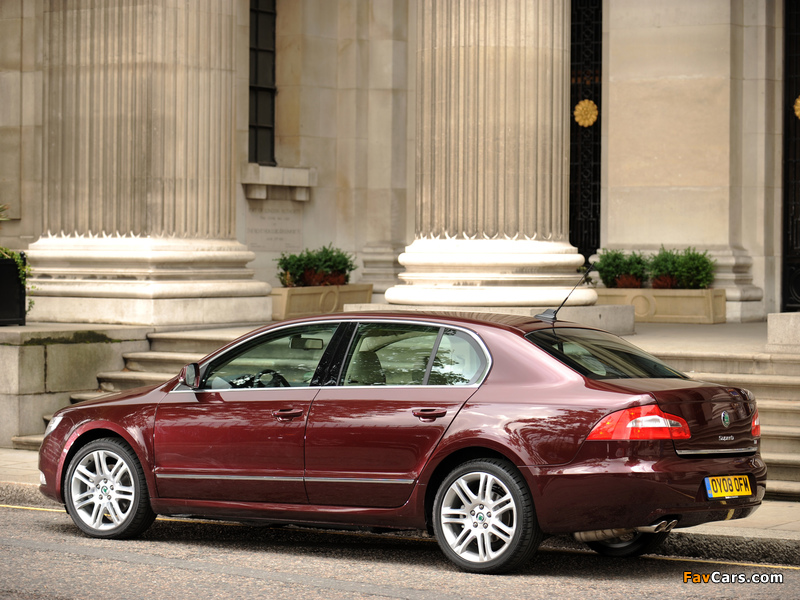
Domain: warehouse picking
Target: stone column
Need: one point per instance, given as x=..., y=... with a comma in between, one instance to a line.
x=138, y=167
x=492, y=167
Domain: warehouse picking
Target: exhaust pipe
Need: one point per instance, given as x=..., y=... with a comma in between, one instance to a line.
x=608, y=534
x=661, y=526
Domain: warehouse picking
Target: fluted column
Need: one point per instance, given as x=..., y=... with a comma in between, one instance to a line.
x=492, y=140
x=139, y=176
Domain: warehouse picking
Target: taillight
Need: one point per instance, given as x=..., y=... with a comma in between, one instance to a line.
x=756, y=427
x=640, y=423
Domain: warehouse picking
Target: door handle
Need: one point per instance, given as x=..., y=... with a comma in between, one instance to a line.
x=287, y=414
x=428, y=414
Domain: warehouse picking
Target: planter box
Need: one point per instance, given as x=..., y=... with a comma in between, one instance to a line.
x=12, y=297
x=290, y=303
x=669, y=306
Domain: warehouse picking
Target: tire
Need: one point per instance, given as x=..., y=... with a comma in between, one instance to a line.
x=634, y=544
x=484, y=519
x=105, y=491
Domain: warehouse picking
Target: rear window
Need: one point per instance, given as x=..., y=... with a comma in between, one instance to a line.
x=600, y=355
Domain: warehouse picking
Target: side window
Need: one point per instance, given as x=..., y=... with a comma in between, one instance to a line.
x=287, y=358
x=459, y=360
x=389, y=354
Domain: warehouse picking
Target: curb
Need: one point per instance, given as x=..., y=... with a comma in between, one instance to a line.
x=775, y=551
x=24, y=494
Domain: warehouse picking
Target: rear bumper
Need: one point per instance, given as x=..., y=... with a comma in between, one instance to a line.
x=596, y=492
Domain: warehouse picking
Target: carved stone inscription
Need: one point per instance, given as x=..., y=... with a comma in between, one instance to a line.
x=275, y=226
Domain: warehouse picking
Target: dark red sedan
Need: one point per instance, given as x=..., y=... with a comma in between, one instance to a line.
x=491, y=431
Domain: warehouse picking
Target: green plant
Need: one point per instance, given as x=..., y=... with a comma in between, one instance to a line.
x=325, y=266
x=616, y=269
x=695, y=270
x=23, y=268
x=662, y=268
x=3, y=209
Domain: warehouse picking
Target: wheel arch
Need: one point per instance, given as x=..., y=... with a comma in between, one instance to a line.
x=452, y=461
x=87, y=436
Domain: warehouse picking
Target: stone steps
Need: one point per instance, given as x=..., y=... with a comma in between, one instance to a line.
x=782, y=466
x=27, y=442
x=162, y=362
x=776, y=438
x=732, y=363
x=200, y=342
x=126, y=380
x=779, y=412
x=765, y=387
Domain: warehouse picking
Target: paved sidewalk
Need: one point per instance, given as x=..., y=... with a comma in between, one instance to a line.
x=771, y=535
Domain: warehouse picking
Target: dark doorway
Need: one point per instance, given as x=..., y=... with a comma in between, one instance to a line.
x=790, y=300
x=585, y=102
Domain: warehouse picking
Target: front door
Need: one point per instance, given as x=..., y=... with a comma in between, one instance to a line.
x=240, y=437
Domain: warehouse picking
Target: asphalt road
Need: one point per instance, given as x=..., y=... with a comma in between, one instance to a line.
x=44, y=556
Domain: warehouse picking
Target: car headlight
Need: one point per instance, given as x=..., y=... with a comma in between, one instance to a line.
x=52, y=425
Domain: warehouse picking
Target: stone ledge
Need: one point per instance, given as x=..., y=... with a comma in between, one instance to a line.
x=277, y=183
x=783, y=333
x=40, y=334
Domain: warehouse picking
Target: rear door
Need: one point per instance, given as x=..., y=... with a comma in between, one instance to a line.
x=399, y=389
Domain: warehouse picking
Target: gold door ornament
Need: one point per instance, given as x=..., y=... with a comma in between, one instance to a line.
x=586, y=113
x=797, y=107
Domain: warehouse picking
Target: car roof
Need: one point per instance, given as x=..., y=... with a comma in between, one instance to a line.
x=521, y=323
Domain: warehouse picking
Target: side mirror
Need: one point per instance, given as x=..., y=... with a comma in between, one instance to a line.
x=190, y=376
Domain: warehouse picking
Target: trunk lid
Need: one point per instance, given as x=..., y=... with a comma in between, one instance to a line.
x=720, y=418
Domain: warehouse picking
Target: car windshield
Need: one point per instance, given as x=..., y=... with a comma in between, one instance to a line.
x=600, y=355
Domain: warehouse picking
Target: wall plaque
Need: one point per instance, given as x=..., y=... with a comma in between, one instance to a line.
x=274, y=226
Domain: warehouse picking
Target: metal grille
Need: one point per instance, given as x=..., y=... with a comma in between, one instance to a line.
x=791, y=161
x=262, y=82
x=584, y=173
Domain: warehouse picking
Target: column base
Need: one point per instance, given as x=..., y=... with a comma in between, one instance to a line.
x=490, y=273
x=745, y=301
x=145, y=281
x=380, y=267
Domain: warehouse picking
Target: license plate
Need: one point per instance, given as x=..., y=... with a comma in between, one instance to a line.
x=728, y=486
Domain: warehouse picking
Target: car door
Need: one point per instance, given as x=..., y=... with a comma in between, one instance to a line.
x=399, y=389
x=240, y=436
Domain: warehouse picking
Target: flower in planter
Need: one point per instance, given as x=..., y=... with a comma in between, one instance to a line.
x=325, y=266
x=663, y=268
x=687, y=270
x=617, y=270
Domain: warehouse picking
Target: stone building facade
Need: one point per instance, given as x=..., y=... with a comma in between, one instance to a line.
x=429, y=138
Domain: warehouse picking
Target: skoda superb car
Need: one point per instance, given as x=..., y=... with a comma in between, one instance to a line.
x=490, y=431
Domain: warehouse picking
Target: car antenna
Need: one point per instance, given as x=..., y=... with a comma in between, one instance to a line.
x=550, y=315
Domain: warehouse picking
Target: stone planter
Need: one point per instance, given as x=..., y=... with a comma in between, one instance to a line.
x=290, y=303
x=669, y=306
x=12, y=299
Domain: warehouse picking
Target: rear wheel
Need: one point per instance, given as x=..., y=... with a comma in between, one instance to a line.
x=484, y=518
x=633, y=544
x=106, y=492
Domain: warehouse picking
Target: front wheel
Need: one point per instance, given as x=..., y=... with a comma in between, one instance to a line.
x=484, y=518
x=106, y=492
x=633, y=544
